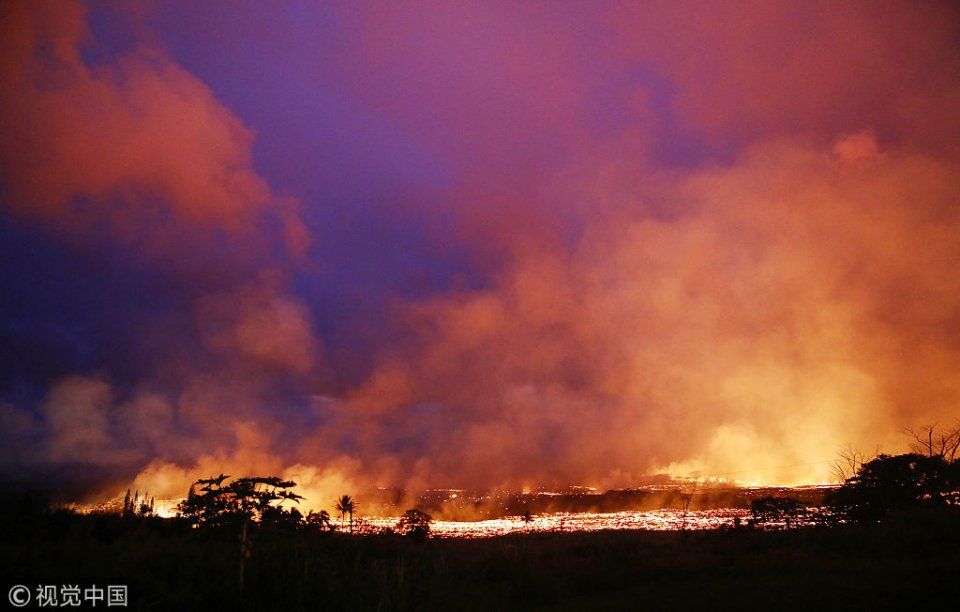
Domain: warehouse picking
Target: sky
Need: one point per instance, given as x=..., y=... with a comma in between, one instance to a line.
x=465, y=244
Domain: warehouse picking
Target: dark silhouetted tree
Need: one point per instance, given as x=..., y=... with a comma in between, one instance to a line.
x=127, y=505
x=898, y=482
x=415, y=524
x=146, y=507
x=345, y=506
x=319, y=520
x=933, y=441
x=280, y=518
x=212, y=503
x=848, y=463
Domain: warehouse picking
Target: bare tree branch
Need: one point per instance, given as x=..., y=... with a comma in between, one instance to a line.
x=932, y=441
x=847, y=463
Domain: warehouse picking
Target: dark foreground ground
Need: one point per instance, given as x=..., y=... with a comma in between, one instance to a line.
x=909, y=562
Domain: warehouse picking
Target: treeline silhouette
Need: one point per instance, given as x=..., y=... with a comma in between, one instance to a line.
x=884, y=485
x=897, y=483
x=254, y=503
x=926, y=478
x=257, y=501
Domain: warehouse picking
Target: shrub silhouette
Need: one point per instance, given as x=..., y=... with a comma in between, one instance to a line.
x=897, y=482
x=280, y=518
x=415, y=524
x=319, y=521
x=773, y=509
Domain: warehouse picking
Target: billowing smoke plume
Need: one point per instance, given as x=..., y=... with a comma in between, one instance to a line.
x=668, y=238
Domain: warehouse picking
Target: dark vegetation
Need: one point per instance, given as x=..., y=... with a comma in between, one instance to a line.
x=912, y=556
x=891, y=539
x=928, y=477
x=414, y=524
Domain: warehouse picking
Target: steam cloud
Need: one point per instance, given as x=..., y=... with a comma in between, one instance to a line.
x=724, y=243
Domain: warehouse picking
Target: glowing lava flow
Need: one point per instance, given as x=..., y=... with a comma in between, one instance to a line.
x=654, y=520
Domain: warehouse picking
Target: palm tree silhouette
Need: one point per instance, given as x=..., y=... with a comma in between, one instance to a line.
x=324, y=520
x=320, y=519
x=345, y=505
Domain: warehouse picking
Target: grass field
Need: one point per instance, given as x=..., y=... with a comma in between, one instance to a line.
x=907, y=562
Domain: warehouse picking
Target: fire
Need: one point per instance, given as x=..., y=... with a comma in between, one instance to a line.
x=164, y=508
x=654, y=520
